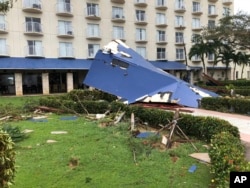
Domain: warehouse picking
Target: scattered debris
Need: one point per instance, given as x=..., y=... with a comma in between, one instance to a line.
x=68, y=118
x=51, y=141
x=27, y=131
x=39, y=117
x=59, y=132
x=38, y=120
x=49, y=109
x=5, y=118
x=192, y=169
x=145, y=134
x=73, y=162
x=204, y=157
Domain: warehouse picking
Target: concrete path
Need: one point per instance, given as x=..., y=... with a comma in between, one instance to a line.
x=240, y=121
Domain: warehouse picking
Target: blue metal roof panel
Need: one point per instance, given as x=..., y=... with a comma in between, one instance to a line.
x=169, y=65
x=44, y=63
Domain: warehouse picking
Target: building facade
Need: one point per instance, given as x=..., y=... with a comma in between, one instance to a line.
x=47, y=46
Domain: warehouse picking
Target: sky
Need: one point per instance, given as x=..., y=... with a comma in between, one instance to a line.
x=243, y=5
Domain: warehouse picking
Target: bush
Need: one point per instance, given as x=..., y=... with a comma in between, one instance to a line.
x=226, y=154
x=7, y=160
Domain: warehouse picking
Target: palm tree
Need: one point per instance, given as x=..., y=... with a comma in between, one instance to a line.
x=201, y=48
x=236, y=60
x=6, y=5
x=245, y=61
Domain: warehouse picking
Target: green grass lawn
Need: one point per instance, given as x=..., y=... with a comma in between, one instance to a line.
x=104, y=158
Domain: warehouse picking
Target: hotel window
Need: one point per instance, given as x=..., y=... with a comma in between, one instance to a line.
x=35, y=48
x=179, y=53
x=64, y=6
x=196, y=23
x=140, y=15
x=161, y=53
x=92, y=9
x=92, y=50
x=33, y=24
x=179, y=4
x=142, y=51
x=210, y=57
x=3, y=47
x=179, y=21
x=160, y=2
x=66, y=49
x=211, y=24
x=211, y=9
x=195, y=38
x=140, y=34
x=179, y=37
x=117, y=12
x=196, y=6
x=161, y=19
x=226, y=11
x=2, y=22
x=161, y=36
x=93, y=30
x=65, y=28
x=118, y=32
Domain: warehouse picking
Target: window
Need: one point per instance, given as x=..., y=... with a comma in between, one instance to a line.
x=117, y=12
x=211, y=24
x=248, y=74
x=160, y=2
x=210, y=57
x=64, y=6
x=65, y=28
x=161, y=36
x=93, y=30
x=33, y=24
x=161, y=19
x=140, y=34
x=66, y=49
x=92, y=9
x=179, y=37
x=3, y=47
x=92, y=50
x=196, y=6
x=196, y=23
x=142, y=51
x=226, y=11
x=34, y=48
x=2, y=22
x=179, y=21
x=179, y=4
x=32, y=3
x=118, y=32
x=196, y=58
x=161, y=53
x=179, y=53
x=140, y=15
x=195, y=38
x=211, y=9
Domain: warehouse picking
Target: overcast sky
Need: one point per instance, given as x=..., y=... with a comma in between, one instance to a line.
x=243, y=5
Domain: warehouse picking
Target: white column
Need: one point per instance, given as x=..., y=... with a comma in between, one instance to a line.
x=70, y=83
x=19, y=84
x=45, y=82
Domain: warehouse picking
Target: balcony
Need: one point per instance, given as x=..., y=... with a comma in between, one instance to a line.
x=67, y=53
x=196, y=59
x=141, y=40
x=161, y=39
x=212, y=14
x=34, y=51
x=119, y=35
x=161, y=56
x=141, y=3
x=65, y=32
x=180, y=26
x=93, y=35
x=180, y=9
x=140, y=19
x=118, y=1
x=33, y=28
x=161, y=5
x=179, y=41
x=161, y=23
x=32, y=6
x=3, y=28
x=197, y=11
x=118, y=18
x=213, y=1
x=196, y=28
x=92, y=13
x=64, y=9
x=4, y=51
x=227, y=2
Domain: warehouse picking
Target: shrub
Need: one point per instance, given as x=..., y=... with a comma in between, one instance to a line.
x=7, y=160
x=226, y=154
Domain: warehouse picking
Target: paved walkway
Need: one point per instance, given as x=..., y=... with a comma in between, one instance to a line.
x=240, y=121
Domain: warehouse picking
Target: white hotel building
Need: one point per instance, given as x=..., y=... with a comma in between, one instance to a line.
x=47, y=46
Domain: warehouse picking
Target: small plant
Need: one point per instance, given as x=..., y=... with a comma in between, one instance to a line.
x=7, y=160
x=14, y=132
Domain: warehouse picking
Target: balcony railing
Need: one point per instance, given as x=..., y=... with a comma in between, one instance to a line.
x=65, y=31
x=140, y=3
x=180, y=8
x=33, y=28
x=66, y=53
x=118, y=17
x=33, y=51
x=93, y=13
x=161, y=38
x=33, y=6
x=140, y=19
x=4, y=27
x=64, y=9
x=161, y=22
x=119, y=35
x=227, y=2
x=4, y=50
x=93, y=34
x=161, y=4
x=118, y=1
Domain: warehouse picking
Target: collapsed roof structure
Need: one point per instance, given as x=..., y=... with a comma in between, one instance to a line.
x=119, y=70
